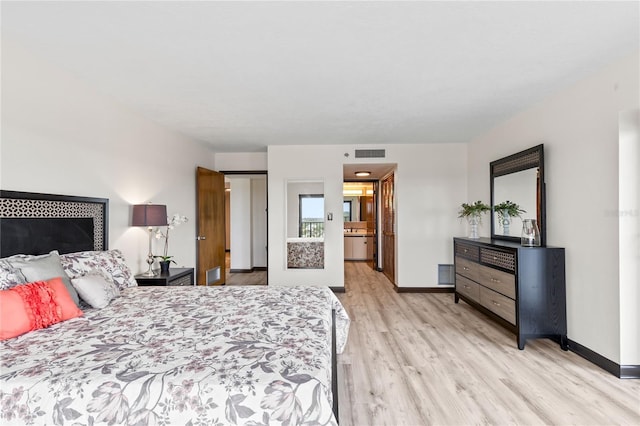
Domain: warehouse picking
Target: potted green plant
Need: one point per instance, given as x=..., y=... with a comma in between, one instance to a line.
x=165, y=262
x=165, y=259
x=506, y=210
x=473, y=213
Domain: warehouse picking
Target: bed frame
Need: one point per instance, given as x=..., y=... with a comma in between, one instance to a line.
x=36, y=223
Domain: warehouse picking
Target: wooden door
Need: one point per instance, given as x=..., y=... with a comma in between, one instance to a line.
x=366, y=211
x=369, y=213
x=388, y=230
x=211, y=224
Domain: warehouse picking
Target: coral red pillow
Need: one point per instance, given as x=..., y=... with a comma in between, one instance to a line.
x=36, y=305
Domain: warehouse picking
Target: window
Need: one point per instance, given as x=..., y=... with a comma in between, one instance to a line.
x=346, y=210
x=311, y=215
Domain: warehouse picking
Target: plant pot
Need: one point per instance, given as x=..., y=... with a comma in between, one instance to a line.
x=506, y=221
x=164, y=267
x=473, y=223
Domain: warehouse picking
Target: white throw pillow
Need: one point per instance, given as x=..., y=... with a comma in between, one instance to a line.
x=95, y=289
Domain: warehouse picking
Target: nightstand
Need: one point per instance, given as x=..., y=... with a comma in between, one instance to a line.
x=175, y=277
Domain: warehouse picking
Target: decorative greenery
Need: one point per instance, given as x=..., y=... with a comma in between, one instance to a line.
x=174, y=221
x=475, y=209
x=166, y=259
x=512, y=209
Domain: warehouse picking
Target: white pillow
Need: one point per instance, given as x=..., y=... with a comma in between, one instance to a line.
x=95, y=289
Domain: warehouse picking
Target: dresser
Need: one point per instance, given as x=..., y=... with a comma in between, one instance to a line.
x=522, y=288
x=175, y=277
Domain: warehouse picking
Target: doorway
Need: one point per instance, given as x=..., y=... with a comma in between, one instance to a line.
x=246, y=228
x=362, y=213
x=360, y=221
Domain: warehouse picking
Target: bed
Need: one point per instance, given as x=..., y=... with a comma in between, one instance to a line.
x=177, y=355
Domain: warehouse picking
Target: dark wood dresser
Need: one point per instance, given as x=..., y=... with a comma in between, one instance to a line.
x=523, y=288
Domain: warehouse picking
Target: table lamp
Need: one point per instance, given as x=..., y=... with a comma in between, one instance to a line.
x=149, y=215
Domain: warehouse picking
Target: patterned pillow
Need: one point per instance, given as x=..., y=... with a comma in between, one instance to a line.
x=110, y=262
x=10, y=276
x=96, y=288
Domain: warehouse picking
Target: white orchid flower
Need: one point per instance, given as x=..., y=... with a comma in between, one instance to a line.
x=172, y=222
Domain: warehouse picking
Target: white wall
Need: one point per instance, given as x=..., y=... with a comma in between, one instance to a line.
x=241, y=161
x=60, y=136
x=430, y=185
x=579, y=129
x=629, y=213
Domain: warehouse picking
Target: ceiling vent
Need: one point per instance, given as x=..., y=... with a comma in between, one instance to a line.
x=370, y=153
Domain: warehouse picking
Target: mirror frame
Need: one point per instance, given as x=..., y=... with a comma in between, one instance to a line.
x=523, y=160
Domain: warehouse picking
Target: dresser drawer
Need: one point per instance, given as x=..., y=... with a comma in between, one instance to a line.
x=502, y=282
x=468, y=268
x=499, y=304
x=467, y=251
x=498, y=258
x=468, y=288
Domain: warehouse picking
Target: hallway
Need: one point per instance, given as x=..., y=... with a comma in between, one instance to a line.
x=244, y=278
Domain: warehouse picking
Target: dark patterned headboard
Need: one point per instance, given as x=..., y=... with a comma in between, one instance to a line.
x=32, y=223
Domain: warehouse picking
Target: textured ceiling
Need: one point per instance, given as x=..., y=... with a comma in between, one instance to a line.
x=244, y=75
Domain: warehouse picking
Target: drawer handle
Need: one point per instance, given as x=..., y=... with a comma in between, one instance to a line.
x=466, y=286
x=495, y=303
x=464, y=268
x=495, y=280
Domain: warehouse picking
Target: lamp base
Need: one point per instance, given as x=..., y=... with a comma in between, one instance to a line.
x=149, y=274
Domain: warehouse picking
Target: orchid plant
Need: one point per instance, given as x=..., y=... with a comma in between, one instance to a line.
x=172, y=222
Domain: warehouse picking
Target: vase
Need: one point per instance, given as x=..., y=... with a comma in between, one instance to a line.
x=506, y=221
x=473, y=223
x=530, y=233
x=164, y=267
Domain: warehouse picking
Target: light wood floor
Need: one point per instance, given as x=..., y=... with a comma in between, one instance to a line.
x=420, y=359
x=244, y=278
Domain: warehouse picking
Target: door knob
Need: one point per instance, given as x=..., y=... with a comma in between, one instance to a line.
x=200, y=237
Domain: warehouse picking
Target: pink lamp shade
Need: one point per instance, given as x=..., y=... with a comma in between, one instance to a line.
x=149, y=215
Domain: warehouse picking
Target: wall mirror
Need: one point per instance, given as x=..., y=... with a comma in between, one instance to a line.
x=518, y=178
x=357, y=202
x=305, y=224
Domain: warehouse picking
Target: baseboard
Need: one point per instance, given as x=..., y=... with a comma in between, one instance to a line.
x=424, y=289
x=620, y=371
x=247, y=271
x=337, y=289
x=629, y=372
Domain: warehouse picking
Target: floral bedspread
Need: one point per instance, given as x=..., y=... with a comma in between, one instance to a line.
x=180, y=356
